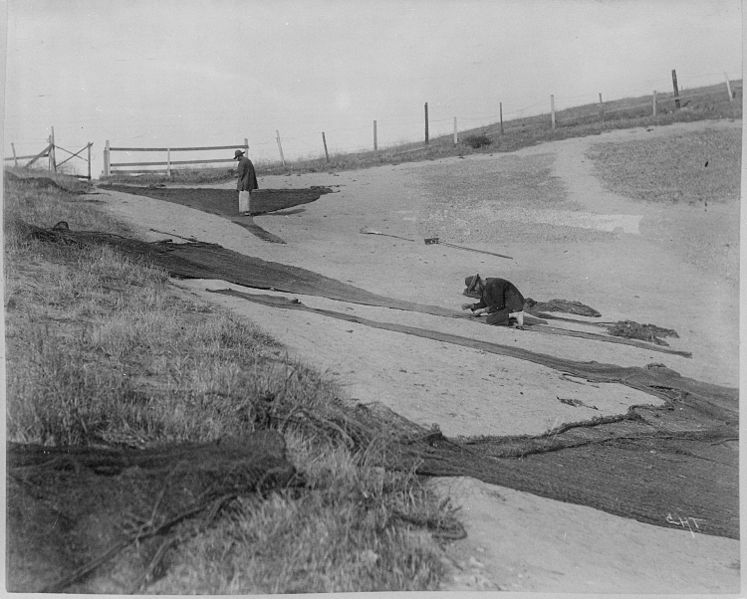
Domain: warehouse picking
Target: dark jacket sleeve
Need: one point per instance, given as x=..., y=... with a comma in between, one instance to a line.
x=247, y=177
x=481, y=303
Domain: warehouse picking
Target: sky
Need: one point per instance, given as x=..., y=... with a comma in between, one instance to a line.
x=214, y=72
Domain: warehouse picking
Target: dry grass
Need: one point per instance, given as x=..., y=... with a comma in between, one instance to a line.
x=103, y=350
x=342, y=536
x=692, y=168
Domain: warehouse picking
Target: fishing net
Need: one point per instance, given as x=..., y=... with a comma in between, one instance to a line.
x=635, y=330
x=225, y=202
x=662, y=465
x=72, y=509
x=562, y=305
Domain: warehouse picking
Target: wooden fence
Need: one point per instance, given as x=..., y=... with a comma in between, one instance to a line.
x=50, y=152
x=602, y=111
x=674, y=100
x=126, y=167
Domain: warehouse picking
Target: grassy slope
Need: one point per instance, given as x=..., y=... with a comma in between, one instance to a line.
x=701, y=170
x=688, y=168
x=101, y=349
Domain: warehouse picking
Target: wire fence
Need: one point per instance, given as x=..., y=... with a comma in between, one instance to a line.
x=556, y=111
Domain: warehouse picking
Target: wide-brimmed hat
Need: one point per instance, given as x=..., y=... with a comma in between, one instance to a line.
x=238, y=154
x=471, y=282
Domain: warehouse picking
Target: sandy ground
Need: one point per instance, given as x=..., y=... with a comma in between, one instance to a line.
x=570, y=238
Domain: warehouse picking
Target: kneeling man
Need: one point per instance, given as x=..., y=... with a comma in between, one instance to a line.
x=499, y=298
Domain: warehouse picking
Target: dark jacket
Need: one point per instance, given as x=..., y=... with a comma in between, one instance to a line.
x=499, y=294
x=247, y=177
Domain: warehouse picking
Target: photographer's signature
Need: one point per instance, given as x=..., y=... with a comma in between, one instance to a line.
x=687, y=523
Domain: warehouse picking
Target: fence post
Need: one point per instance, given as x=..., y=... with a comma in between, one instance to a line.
x=676, y=90
x=500, y=108
x=107, y=159
x=376, y=141
x=15, y=160
x=280, y=147
x=426, y=123
x=601, y=108
x=456, y=134
x=52, y=159
x=324, y=141
x=552, y=110
x=246, y=146
x=168, y=162
x=654, y=103
x=728, y=88
x=89, y=160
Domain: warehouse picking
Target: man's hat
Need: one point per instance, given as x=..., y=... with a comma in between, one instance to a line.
x=471, y=282
x=238, y=154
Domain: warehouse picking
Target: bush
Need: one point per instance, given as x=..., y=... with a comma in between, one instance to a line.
x=478, y=141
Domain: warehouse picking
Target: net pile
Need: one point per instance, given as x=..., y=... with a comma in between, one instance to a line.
x=635, y=330
x=72, y=509
x=562, y=305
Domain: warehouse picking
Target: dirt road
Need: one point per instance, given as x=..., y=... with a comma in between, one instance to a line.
x=571, y=239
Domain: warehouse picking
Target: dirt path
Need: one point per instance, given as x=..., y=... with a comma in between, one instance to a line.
x=521, y=542
x=570, y=239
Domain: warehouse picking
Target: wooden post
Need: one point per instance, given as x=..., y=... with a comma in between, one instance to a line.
x=15, y=160
x=246, y=146
x=280, y=147
x=601, y=108
x=653, y=102
x=168, y=162
x=728, y=88
x=52, y=159
x=376, y=142
x=676, y=90
x=324, y=141
x=456, y=134
x=426, y=124
x=89, y=160
x=107, y=159
x=500, y=107
x=552, y=110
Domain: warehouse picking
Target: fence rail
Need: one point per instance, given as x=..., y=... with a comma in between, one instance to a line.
x=177, y=149
x=168, y=163
x=50, y=152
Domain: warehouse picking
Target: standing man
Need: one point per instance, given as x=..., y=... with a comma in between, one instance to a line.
x=500, y=298
x=247, y=178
